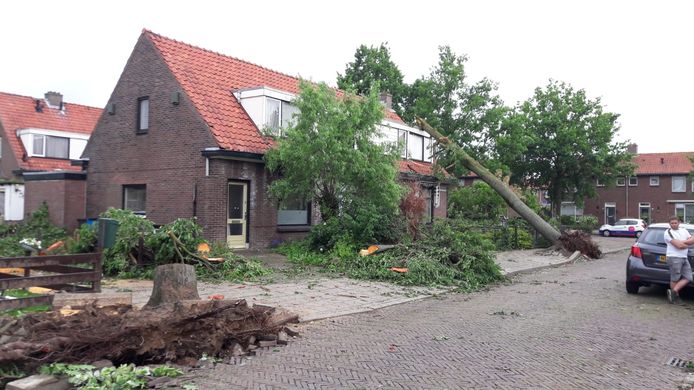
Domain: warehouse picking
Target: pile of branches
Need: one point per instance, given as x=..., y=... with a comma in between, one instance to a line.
x=169, y=333
x=577, y=240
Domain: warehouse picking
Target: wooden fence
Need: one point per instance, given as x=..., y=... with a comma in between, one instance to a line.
x=60, y=272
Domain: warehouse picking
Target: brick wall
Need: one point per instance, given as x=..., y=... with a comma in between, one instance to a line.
x=166, y=159
x=65, y=200
x=627, y=199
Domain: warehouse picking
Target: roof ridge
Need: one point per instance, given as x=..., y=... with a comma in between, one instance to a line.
x=144, y=30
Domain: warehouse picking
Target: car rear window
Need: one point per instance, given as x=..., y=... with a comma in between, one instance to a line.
x=656, y=236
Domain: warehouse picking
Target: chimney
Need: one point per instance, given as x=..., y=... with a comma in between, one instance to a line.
x=54, y=99
x=633, y=148
x=386, y=99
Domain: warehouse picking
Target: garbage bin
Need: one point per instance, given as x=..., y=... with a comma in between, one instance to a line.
x=107, y=232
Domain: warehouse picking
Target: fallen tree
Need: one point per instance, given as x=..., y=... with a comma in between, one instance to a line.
x=178, y=332
x=547, y=231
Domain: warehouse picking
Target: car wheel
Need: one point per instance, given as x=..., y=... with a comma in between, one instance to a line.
x=632, y=287
x=638, y=234
x=606, y=233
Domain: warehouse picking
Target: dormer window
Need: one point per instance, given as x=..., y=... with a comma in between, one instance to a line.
x=271, y=110
x=52, y=143
x=50, y=146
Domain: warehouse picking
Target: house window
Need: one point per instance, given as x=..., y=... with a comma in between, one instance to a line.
x=428, y=149
x=654, y=181
x=135, y=198
x=679, y=184
x=685, y=211
x=599, y=183
x=415, y=147
x=50, y=146
x=402, y=142
x=143, y=114
x=279, y=115
x=294, y=212
x=272, y=113
x=633, y=181
x=621, y=181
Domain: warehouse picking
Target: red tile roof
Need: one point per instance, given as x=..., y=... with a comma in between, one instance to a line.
x=209, y=78
x=19, y=112
x=418, y=167
x=663, y=163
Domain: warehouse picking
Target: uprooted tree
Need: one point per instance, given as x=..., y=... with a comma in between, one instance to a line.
x=574, y=242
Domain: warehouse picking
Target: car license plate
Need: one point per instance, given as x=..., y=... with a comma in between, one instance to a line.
x=662, y=259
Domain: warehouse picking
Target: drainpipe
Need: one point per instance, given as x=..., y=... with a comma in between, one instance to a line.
x=626, y=206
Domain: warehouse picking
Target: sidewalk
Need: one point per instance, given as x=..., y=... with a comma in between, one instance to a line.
x=322, y=297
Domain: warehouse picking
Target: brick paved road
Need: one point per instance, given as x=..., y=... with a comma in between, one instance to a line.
x=568, y=327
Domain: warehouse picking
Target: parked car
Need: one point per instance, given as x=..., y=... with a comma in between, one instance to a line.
x=630, y=227
x=647, y=264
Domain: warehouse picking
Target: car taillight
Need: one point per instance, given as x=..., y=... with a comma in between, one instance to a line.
x=636, y=251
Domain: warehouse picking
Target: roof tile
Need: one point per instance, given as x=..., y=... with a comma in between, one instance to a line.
x=663, y=163
x=209, y=79
x=19, y=112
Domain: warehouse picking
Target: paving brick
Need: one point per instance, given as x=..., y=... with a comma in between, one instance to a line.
x=559, y=328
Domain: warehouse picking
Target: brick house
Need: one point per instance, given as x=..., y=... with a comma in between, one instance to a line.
x=38, y=138
x=181, y=137
x=661, y=187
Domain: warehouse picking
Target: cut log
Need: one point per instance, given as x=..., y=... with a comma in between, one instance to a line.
x=173, y=283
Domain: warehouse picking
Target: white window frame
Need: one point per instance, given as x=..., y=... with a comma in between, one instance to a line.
x=143, y=114
x=34, y=152
x=599, y=183
x=636, y=181
x=654, y=181
x=411, y=153
x=621, y=181
x=683, y=187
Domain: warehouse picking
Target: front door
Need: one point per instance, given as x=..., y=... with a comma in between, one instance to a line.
x=645, y=212
x=237, y=215
x=610, y=213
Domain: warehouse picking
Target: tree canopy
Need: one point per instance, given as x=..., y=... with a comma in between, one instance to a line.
x=468, y=114
x=373, y=68
x=329, y=155
x=562, y=141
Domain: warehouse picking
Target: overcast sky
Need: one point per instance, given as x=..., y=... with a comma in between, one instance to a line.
x=637, y=56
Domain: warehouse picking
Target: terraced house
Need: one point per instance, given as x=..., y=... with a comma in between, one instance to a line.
x=38, y=139
x=661, y=187
x=182, y=136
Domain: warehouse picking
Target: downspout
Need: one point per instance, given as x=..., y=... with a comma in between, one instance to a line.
x=626, y=196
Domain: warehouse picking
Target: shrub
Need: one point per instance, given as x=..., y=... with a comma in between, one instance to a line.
x=83, y=240
x=476, y=202
x=362, y=227
x=119, y=260
x=412, y=206
x=37, y=227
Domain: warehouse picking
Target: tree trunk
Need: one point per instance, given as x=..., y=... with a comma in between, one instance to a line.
x=545, y=229
x=173, y=283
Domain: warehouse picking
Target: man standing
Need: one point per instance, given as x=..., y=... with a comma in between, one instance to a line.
x=678, y=240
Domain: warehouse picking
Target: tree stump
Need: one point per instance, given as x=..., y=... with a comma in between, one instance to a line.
x=173, y=283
